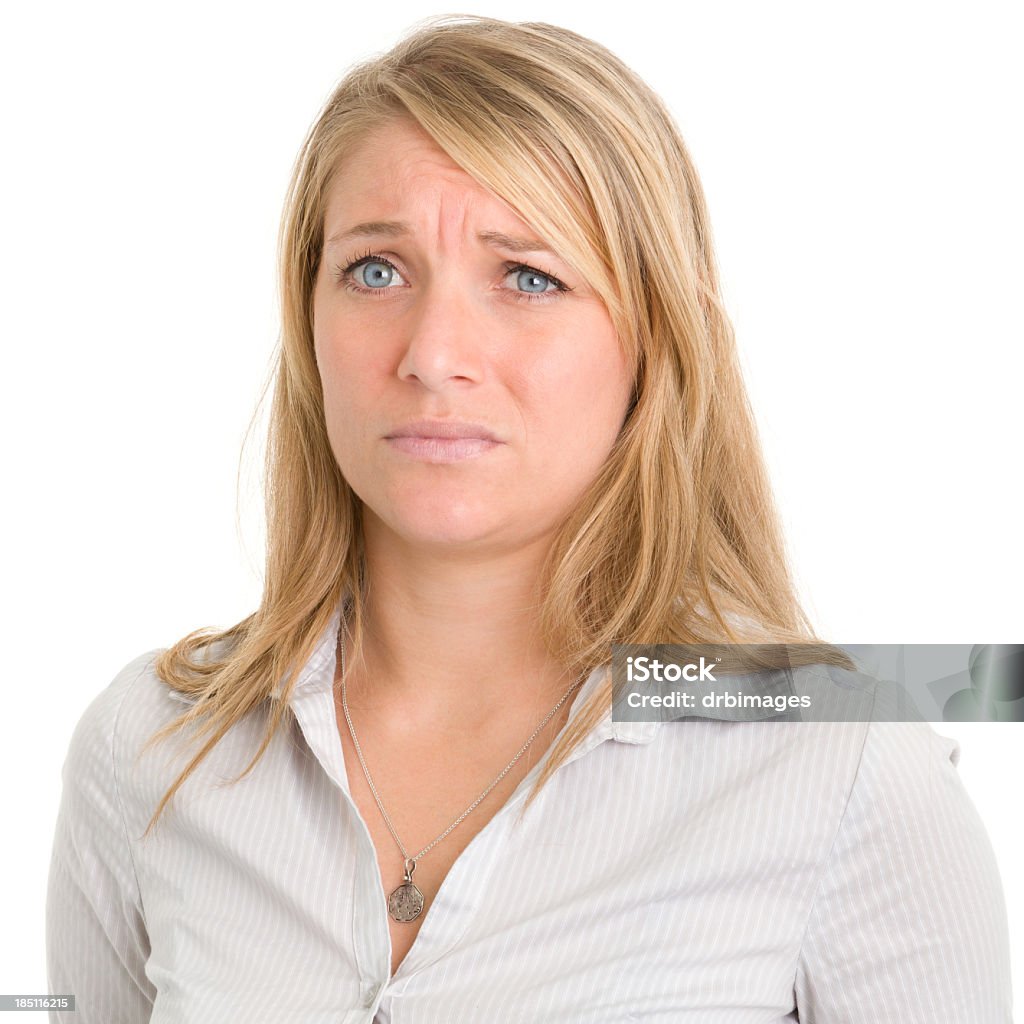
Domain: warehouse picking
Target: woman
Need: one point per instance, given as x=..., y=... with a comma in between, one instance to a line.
x=509, y=429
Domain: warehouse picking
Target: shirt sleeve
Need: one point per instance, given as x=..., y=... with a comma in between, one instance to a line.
x=96, y=940
x=909, y=922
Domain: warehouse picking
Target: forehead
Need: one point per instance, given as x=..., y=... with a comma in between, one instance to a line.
x=398, y=168
x=401, y=150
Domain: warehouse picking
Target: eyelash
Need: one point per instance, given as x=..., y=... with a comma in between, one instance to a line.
x=344, y=275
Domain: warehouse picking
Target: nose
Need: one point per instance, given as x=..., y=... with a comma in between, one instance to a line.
x=444, y=337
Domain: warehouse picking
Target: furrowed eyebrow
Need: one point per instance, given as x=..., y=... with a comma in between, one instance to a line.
x=368, y=229
x=519, y=245
x=399, y=229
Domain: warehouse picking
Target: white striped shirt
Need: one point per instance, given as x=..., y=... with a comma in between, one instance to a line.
x=699, y=871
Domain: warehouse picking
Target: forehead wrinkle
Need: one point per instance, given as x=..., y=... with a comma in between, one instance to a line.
x=451, y=194
x=452, y=217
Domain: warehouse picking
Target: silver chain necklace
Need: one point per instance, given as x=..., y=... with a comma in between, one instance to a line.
x=406, y=902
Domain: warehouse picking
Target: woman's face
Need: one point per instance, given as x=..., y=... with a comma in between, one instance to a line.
x=431, y=321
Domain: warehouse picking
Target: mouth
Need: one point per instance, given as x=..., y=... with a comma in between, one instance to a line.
x=441, y=449
x=448, y=440
x=444, y=430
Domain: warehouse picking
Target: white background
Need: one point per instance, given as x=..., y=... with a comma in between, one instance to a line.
x=862, y=165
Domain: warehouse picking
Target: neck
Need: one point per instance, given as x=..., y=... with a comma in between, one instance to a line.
x=457, y=640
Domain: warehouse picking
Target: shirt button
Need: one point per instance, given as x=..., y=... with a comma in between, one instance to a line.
x=371, y=996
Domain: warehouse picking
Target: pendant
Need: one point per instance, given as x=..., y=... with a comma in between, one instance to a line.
x=406, y=902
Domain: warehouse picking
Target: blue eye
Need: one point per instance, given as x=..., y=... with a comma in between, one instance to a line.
x=372, y=274
x=535, y=283
x=369, y=274
x=379, y=276
x=528, y=280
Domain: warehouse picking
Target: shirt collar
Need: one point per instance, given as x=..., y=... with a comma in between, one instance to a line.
x=317, y=676
x=318, y=672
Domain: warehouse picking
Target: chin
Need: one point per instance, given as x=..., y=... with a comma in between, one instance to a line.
x=436, y=523
x=450, y=540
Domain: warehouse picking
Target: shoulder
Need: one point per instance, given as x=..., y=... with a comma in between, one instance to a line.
x=90, y=824
x=93, y=740
x=908, y=773
x=804, y=770
x=112, y=773
x=117, y=722
x=904, y=773
x=909, y=912
x=906, y=804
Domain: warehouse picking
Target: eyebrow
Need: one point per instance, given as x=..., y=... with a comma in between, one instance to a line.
x=399, y=229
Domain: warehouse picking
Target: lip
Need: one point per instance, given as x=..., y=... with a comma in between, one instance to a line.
x=442, y=440
x=444, y=429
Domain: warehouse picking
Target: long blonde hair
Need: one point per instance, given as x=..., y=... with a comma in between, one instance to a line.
x=678, y=539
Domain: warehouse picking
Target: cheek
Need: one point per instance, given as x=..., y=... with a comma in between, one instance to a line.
x=346, y=394
x=333, y=336
x=574, y=395
x=347, y=368
x=585, y=381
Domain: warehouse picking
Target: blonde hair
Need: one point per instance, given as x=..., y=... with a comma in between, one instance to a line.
x=678, y=539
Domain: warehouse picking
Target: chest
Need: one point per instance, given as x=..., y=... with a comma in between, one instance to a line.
x=425, y=792
x=645, y=883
